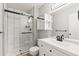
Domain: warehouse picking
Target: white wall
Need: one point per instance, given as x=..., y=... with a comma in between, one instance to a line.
x=61, y=18
x=74, y=25
x=46, y=8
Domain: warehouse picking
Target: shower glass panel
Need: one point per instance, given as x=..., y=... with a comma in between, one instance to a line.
x=18, y=33
x=26, y=34
x=10, y=35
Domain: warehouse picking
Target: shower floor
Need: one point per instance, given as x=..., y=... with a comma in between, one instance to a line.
x=27, y=53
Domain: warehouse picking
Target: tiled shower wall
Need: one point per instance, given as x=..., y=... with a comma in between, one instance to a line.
x=20, y=41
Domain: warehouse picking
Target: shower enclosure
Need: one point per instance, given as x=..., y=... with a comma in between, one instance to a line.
x=18, y=34
x=18, y=30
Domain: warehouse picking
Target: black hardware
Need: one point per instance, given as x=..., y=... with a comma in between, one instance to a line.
x=41, y=45
x=12, y=11
x=40, y=18
x=78, y=15
x=60, y=38
x=1, y=32
x=44, y=54
x=50, y=50
x=17, y=13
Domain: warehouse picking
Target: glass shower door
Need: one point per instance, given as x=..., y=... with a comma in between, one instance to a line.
x=12, y=31
x=26, y=36
x=10, y=35
x=18, y=33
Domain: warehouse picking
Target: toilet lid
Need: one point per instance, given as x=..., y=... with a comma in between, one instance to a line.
x=34, y=48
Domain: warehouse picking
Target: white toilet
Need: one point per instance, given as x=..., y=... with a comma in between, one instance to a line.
x=34, y=50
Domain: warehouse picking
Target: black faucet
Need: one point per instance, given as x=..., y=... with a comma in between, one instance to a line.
x=60, y=38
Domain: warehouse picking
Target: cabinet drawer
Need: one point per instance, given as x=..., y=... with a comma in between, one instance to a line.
x=43, y=53
x=57, y=53
x=48, y=50
x=51, y=52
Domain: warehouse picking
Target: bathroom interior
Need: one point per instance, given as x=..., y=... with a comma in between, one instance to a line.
x=39, y=29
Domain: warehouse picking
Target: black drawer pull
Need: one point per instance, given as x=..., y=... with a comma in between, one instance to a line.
x=50, y=50
x=41, y=45
x=44, y=54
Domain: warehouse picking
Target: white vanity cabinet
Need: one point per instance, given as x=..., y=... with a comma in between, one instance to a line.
x=46, y=49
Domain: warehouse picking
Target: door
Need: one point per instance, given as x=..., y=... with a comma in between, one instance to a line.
x=73, y=26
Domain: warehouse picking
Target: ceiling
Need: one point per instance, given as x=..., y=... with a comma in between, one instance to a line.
x=24, y=6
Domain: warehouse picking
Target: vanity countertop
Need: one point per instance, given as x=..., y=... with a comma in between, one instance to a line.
x=65, y=45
